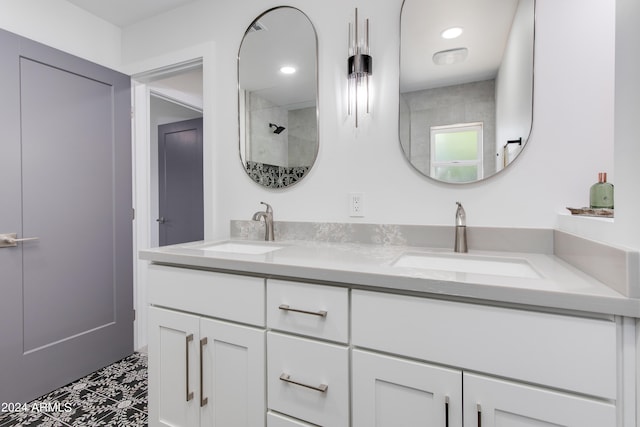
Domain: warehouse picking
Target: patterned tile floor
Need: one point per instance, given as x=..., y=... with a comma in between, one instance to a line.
x=113, y=396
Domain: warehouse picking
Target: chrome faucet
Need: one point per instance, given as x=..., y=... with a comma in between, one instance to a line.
x=461, y=230
x=267, y=214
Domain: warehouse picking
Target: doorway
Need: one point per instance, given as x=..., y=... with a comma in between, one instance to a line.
x=176, y=167
x=171, y=94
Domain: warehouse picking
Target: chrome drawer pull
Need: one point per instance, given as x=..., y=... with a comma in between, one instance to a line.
x=203, y=400
x=321, y=313
x=322, y=388
x=189, y=338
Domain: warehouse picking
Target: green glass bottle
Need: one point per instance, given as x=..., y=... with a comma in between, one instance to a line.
x=601, y=194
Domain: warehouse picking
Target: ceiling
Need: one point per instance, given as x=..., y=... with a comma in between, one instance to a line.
x=126, y=12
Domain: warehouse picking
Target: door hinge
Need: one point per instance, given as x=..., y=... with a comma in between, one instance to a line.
x=134, y=314
x=133, y=214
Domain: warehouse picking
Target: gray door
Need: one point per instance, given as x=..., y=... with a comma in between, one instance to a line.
x=181, y=205
x=65, y=299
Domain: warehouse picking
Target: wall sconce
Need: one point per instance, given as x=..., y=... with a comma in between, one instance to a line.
x=359, y=69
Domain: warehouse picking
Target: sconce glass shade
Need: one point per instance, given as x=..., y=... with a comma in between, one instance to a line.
x=359, y=68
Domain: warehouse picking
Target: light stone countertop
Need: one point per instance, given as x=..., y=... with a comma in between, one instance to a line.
x=368, y=266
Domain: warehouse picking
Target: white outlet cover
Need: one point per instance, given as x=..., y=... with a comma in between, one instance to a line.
x=356, y=204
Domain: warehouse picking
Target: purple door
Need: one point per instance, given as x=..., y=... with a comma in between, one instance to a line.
x=66, y=298
x=181, y=205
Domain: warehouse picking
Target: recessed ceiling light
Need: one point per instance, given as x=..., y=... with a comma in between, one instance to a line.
x=451, y=33
x=288, y=69
x=451, y=56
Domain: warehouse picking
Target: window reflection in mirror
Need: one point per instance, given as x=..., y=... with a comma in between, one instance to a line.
x=277, y=97
x=456, y=152
x=478, y=74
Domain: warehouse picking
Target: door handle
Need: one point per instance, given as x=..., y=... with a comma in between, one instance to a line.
x=161, y=220
x=10, y=240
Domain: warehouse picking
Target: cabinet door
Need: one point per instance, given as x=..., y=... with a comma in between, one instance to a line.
x=233, y=371
x=173, y=368
x=393, y=392
x=490, y=402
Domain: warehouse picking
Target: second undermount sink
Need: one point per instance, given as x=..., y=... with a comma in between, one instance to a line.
x=241, y=248
x=464, y=263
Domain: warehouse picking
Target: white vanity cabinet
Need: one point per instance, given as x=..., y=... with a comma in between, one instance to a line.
x=205, y=371
x=229, y=350
x=566, y=357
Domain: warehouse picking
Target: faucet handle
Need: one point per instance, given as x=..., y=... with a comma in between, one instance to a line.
x=269, y=209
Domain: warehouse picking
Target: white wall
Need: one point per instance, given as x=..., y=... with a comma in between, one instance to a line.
x=64, y=26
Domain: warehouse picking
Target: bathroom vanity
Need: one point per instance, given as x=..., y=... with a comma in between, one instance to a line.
x=297, y=333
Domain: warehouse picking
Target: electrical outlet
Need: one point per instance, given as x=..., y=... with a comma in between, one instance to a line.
x=356, y=204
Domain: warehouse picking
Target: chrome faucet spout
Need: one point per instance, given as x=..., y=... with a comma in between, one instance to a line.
x=460, y=244
x=267, y=215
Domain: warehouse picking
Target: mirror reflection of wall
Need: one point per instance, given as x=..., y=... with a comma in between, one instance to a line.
x=464, y=96
x=278, y=115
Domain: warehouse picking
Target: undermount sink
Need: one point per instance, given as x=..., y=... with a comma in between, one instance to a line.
x=464, y=263
x=241, y=248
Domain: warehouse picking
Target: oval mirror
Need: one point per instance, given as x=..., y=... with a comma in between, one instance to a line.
x=466, y=85
x=277, y=97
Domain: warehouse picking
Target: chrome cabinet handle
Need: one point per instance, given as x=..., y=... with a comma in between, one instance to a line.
x=187, y=341
x=322, y=388
x=479, y=409
x=203, y=400
x=321, y=313
x=10, y=240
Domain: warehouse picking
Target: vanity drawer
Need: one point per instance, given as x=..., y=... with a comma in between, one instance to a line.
x=225, y=296
x=313, y=310
x=316, y=365
x=567, y=352
x=277, y=420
